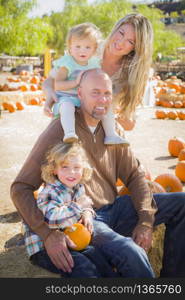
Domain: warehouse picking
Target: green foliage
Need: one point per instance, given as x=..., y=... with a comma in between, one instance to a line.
x=20, y=35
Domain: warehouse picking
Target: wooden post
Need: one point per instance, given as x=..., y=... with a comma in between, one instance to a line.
x=47, y=62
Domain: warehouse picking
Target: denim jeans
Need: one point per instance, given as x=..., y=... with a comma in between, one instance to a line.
x=113, y=227
x=88, y=263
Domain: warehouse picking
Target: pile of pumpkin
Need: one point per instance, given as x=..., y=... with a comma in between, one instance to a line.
x=170, y=93
x=166, y=182
x=24, y=82
x=12, y=107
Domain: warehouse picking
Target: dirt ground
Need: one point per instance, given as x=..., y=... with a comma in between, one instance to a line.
x=18, y=133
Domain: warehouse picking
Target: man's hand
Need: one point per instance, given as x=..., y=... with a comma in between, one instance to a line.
x=142, y=235
x=56, y=245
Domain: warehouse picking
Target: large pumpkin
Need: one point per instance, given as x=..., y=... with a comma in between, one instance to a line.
x=180, y=170
x=79, y=234
x=181, y=155
x=175, y=145
x=169, y=182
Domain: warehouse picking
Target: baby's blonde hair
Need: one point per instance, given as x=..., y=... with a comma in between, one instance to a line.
x=58, y=155
x=135, y=66
x=83, y=31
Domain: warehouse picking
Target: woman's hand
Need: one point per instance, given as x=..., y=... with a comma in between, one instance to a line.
x=126, y=123
x=56, y=245
x=50, y=100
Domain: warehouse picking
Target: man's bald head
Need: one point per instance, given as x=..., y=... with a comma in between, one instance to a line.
x=93, y=73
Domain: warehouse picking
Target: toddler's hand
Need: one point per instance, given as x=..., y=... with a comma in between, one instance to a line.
x=87, y=220
x=84, y=202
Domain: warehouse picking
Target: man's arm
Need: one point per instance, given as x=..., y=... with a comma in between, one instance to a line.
x=29, y=179
x=134, y=178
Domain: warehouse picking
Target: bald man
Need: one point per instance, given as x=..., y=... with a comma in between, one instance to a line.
x=123, y=225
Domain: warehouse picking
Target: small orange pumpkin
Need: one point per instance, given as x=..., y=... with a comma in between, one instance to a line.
x=33, y=87
x=181, y=155
x=24, y=87
x=160, y=114
x=11, y=107
x=35, y=80
x=19, y=105
x=175, y=145
x=119, y=182
x=124, y=191
x=181, y=115
x=79, y=234
x=34, y=101
x=5, y=105
x=172, y=115
x=180, y=170
x=169, y=182
x=178, y=104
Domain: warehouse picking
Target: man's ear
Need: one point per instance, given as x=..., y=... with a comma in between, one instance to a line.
x=79, y=92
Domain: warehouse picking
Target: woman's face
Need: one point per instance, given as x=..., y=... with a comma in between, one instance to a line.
x=122, y=41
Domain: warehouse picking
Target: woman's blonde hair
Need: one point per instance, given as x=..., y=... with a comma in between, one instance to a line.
x=135, y=66
x=58, y=155
x=83, y=31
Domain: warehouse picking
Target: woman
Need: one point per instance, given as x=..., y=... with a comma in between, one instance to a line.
x=126, y=58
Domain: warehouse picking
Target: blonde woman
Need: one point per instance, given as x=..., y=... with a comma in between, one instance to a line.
x=63, y=202
x=126, y=58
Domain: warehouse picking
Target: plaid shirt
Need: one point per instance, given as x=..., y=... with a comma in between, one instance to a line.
x=58, y=204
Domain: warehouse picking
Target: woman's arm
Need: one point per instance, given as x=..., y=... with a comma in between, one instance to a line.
x=51, y=98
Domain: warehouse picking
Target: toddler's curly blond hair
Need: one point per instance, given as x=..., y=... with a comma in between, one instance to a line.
x=58, y=155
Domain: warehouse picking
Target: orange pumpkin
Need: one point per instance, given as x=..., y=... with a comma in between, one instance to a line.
x=160, y=114
x=172, y=115
x=11, y=107
x=33, y=87
x=19, y=105
x=5, y=105
x=175, y=145
x=119, y=182
x=79, y=234
x=181, y=155
x=34, y=101
x=181, y=115
x=169, y=182
x=24, y=87
x=35, y=80
x=124, y=191
x=178, y=104
x=180, y=170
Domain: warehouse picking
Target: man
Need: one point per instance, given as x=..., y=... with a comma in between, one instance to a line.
x=116, y=218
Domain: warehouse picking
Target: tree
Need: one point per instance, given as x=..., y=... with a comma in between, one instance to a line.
x=105, y=14
x=20, y=35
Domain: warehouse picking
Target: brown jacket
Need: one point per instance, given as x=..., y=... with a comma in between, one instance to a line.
x=108, y=162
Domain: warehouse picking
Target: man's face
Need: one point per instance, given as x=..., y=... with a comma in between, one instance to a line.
x=95, y=94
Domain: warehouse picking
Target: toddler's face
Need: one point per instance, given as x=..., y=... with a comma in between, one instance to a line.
x=70, y=171
x=82, y=49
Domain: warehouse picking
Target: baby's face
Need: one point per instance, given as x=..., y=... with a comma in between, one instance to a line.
x=82, y=49
x=70, y=171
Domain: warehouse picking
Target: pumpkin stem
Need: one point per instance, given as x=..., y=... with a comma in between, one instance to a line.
x=168, y=189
